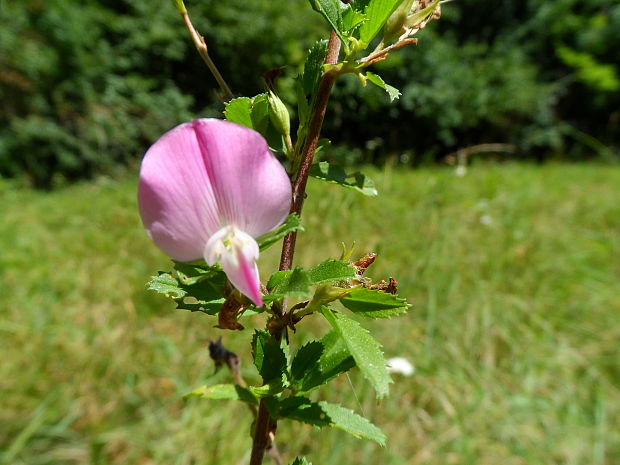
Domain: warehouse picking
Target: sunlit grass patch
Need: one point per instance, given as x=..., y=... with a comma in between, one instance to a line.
x=513, y=271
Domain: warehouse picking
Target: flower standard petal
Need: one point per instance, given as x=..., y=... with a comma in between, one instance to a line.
x=175, y=195
x=252, y=189
x=204, y=176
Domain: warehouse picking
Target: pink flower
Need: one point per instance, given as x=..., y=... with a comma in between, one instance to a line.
x=207, y=189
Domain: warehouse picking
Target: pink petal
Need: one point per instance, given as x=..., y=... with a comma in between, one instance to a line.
x=204, y=175
x=252, y=189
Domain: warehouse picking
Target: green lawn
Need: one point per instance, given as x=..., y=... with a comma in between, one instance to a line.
x=514, y=272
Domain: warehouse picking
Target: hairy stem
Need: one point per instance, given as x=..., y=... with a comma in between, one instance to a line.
x=264, y=424
x=307, y=154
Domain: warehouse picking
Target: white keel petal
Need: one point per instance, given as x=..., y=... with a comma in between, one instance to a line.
x=237, y=252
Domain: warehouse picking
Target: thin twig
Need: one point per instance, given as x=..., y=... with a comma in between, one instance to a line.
x=201, y=46
x=382, y=54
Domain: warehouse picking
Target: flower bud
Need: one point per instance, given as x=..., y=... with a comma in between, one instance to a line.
x=278, y=114
x=395, y=23
x=324, y=294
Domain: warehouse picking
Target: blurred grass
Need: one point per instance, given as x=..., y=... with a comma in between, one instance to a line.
x=514, y=272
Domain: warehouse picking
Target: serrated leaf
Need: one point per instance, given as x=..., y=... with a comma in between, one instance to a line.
x=166, y=284
x=271, y=388
x=330, y=10
x=254, y=114
x=303, y=106
x=269, y=358
x=190, y=273
x=224, y=391
x=192, y=287
x=300, y=409
x=306, y=359
x=334, y=360
x=392, y=92
x=331, y=270
x=377, y=12
x=239, y=111
x=260, y=113
x=313, y=68
x=291, y=223
x=349, y=421
x=374, y=304
x=335, y=174
x=363, y=348
x=301, y=461
x=352, y=18
x=325, y=414
x=289, y=283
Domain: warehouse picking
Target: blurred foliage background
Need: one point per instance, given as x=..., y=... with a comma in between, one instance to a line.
x=85, y=88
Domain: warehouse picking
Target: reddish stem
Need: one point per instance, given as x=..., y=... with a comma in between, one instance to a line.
x=263, y=422
x=307, y=154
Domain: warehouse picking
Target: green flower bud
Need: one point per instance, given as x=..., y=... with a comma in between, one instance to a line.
x=394, y=26
x=278, y=114
x=324, y=294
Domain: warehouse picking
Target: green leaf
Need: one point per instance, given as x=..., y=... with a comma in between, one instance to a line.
x=352, y=18
x=307, y=86
x=239, y=111
x=364, y=348
x=301, y=461
x=300, y=409
x=306, y=359
x=303, y=106
x=271, y=388
x=331, y=270
x=224, y=391
x=421, y=15
x=291, y=223
x=325, y=414
x=349, y=421
x=254, y=114
x=192, y=287
x=330, y=9
x=260, y=113
x=313, y=68
x=377, y=12
x=191, y=273
x=334, y=360
x=289, y=283
x=392, y=92
x=335, y=174
x=374, y=304
x=321, y=145
x=166, y=284
x=269, y=358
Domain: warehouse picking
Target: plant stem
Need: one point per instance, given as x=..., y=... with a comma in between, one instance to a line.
x=201, y=46
x=263, y=421
x=307, y=154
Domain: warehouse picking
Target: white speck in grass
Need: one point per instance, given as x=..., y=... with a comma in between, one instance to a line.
x=460, y=171
x=482, y=204
x=401, y=366
x=486, y=220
